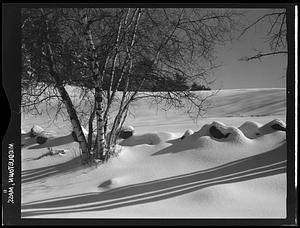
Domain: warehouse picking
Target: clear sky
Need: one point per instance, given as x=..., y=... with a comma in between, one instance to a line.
x=233, y=74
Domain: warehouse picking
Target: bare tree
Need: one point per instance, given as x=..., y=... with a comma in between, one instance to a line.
x=117, y=56
x=275, y=33
x=43, y=67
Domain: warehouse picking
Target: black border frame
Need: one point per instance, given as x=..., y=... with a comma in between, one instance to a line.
x=11, y=60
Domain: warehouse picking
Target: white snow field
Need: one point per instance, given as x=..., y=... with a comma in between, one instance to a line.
x=231, y=163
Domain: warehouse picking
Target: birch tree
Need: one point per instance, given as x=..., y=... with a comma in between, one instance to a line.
x=114, y=54
x=40, y=46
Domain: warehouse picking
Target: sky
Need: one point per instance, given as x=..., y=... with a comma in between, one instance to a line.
x=234, y=74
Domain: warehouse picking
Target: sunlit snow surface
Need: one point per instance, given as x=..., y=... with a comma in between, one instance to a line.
x=158, y=173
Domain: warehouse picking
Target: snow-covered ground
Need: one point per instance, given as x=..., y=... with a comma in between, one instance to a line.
x=157, y=174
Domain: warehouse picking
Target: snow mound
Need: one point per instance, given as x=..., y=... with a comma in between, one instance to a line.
x=115, y=182
x=36, y=130
x=125, y=132
x=250, y=129
x=150, y=139
x=107, y=184
x=217, y=143
x=187, y=133
x=127, y=128
x=218, y=170
x=272, y=126
x=254, y=130
x=44, y=136
x=220, y=132
x=219, y=137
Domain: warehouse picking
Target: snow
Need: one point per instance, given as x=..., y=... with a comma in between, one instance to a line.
x=36, y=130
x=187, y=133
x=157, y=173
x=128, y=128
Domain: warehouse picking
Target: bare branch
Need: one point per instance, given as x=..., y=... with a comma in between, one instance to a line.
x=257, y=21
x=260, y=55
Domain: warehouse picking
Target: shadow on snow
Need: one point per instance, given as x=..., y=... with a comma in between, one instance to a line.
x=39, y=173
x=266, y=164
x=54, y=142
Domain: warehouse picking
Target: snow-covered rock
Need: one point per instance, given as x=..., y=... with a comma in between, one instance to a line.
x=187, y=133
x=250, y=129
x=127, y=128
x=206, y=129
x=35, y=131
x=278, y=127
x=43, y=137
x=253, y=130
x=216, y=133
x=126, y=132
x=272, y=126
x=221, y=132
x=277, y=124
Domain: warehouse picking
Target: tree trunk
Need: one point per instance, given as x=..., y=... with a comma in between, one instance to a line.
x=100, y=141
x=91, y=129
x=75, y=122
x=70, y=107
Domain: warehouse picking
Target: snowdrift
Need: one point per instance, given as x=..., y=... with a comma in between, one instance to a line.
x=229, y=165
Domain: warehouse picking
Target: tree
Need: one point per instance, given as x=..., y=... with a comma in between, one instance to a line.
x=111, y=54
x=45, y=59
x=275, y=35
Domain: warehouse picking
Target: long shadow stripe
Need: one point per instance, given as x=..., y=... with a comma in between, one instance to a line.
x=24, y=180
x=67, y=167
x=28, y=172
x=60, y=198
